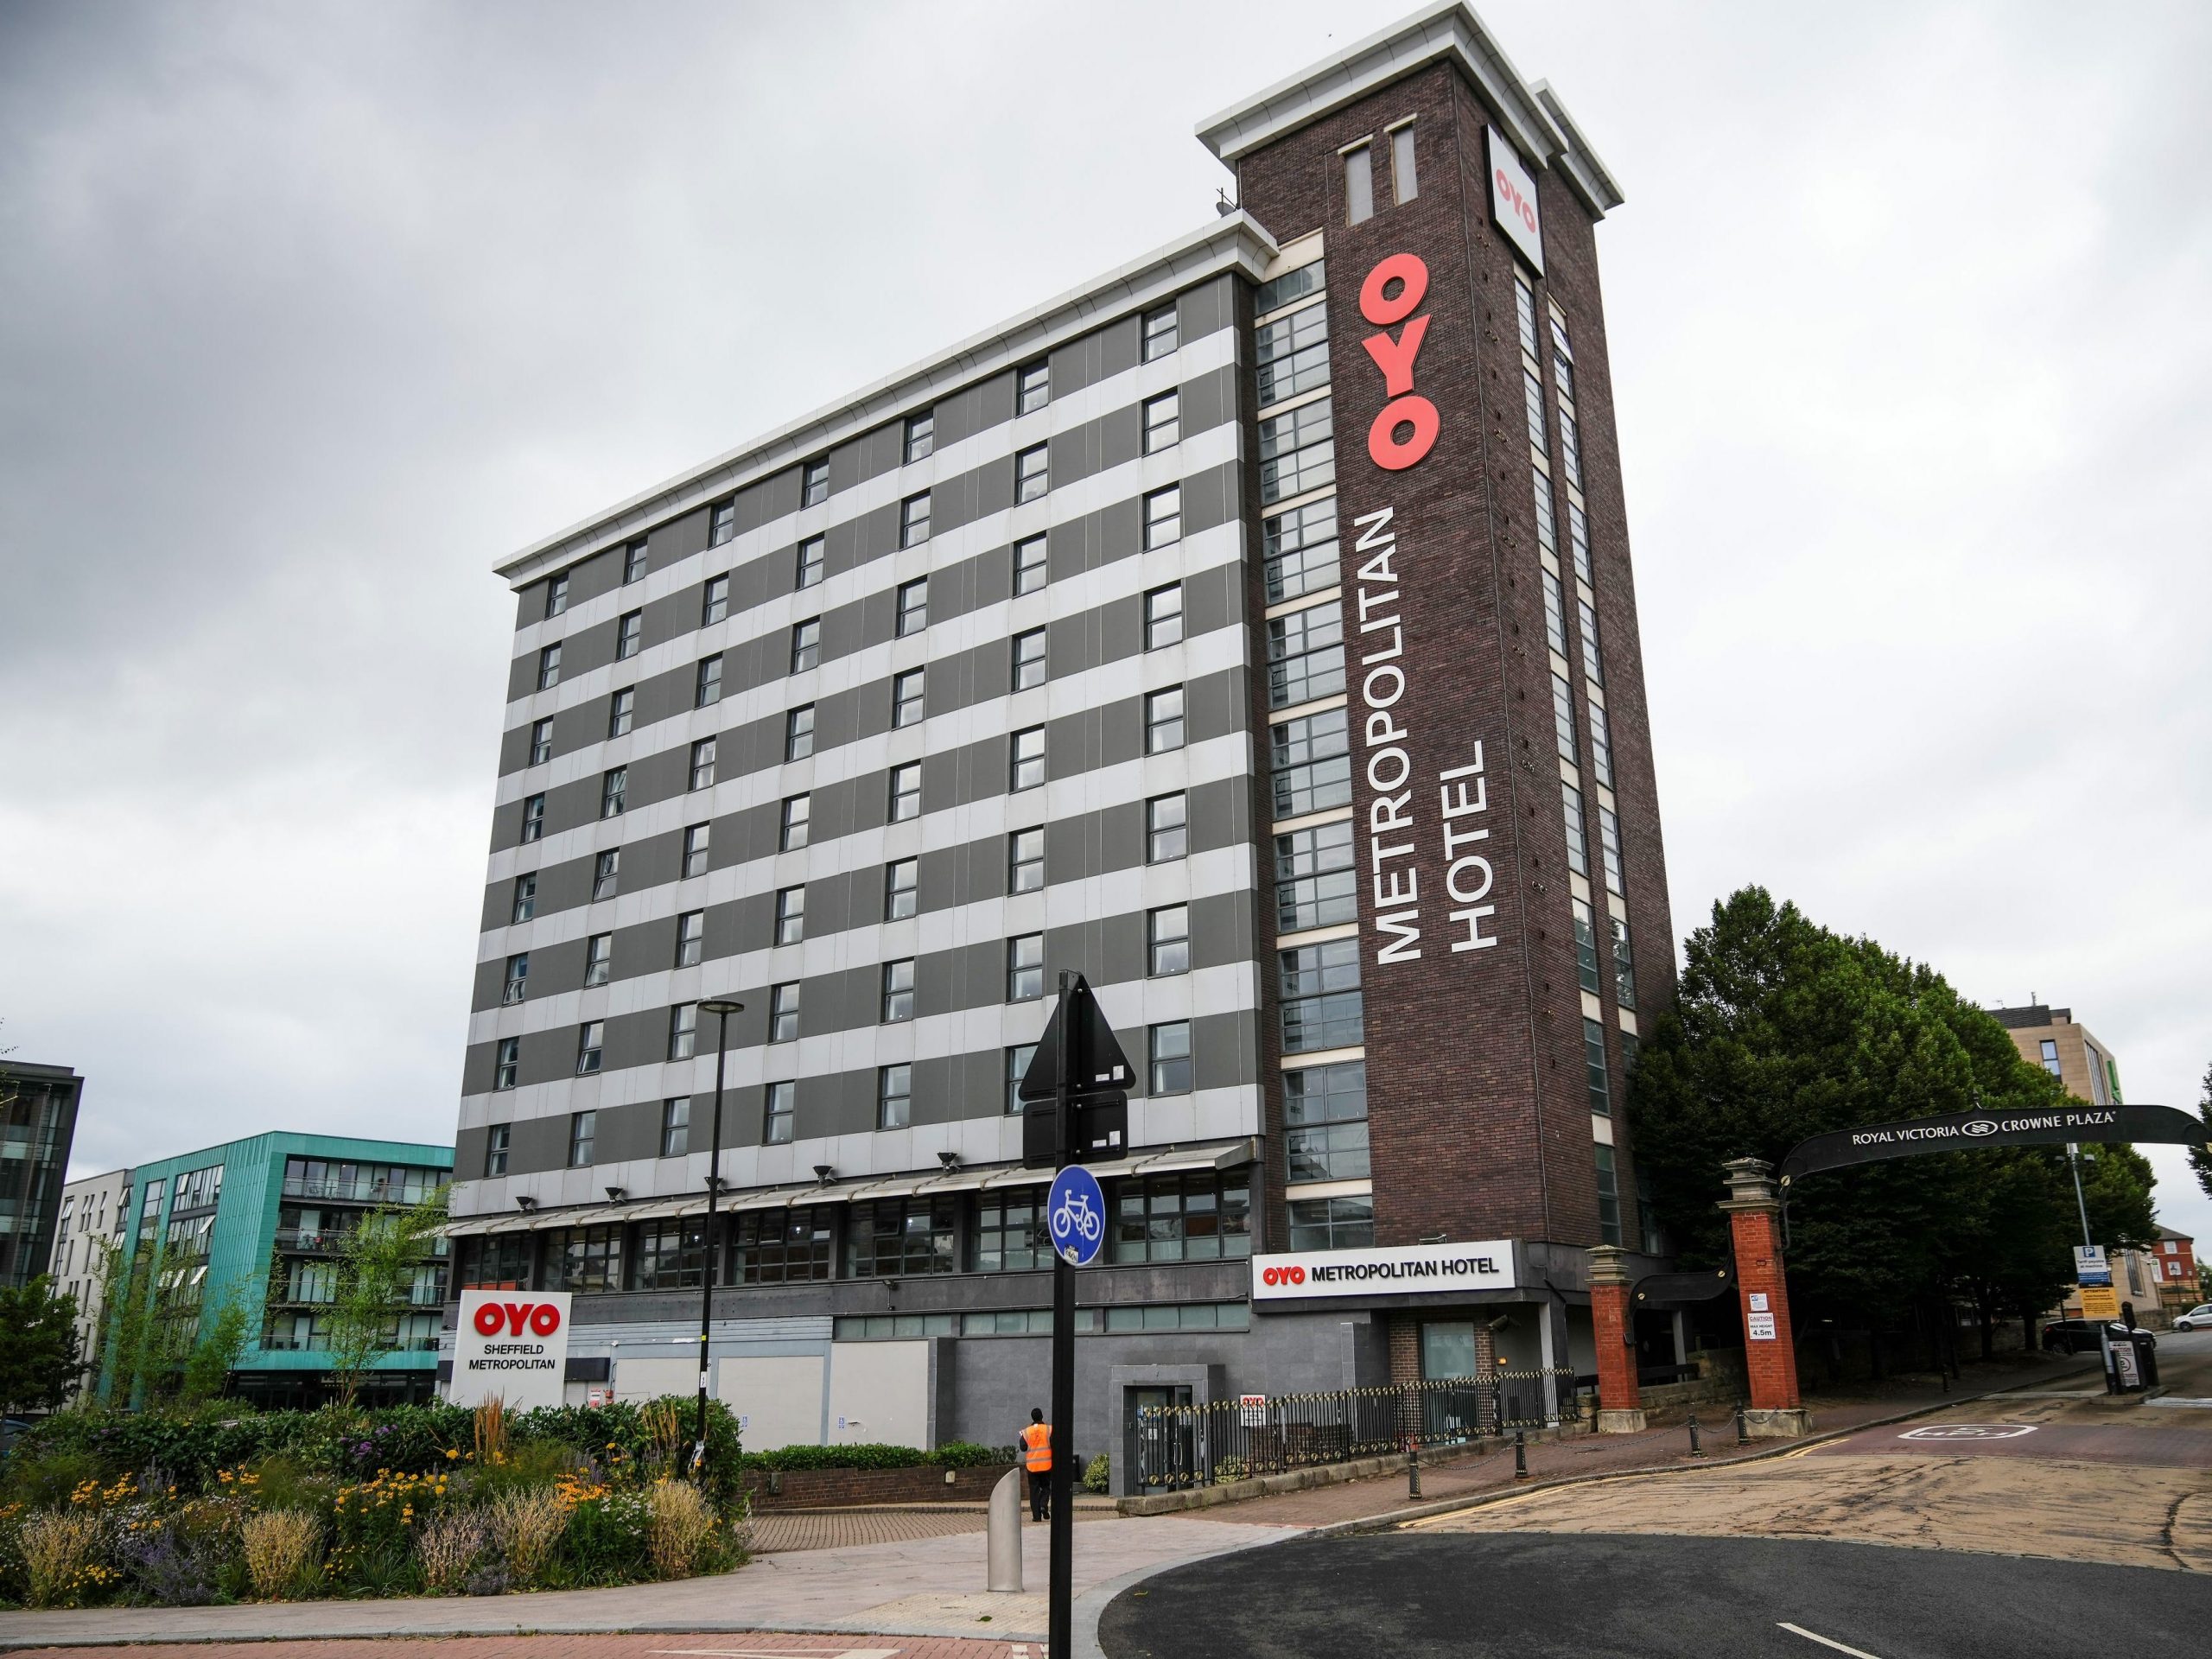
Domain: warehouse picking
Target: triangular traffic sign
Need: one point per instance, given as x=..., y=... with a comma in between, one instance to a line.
x=1097, y=1063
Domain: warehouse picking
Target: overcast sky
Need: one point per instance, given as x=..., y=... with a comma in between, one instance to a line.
x=309, y=314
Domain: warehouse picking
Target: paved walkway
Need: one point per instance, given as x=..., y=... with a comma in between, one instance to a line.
x=780, y=1531
x=754, y=1645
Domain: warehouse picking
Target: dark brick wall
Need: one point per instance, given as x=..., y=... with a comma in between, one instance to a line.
x=831, y=1489
x=1478, y=1112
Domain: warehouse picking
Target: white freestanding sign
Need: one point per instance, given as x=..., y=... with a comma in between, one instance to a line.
x=513, y=1345
x=1513, y=200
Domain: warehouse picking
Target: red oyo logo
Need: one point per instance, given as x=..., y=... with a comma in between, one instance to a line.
x=512, y=1318
x=1406, y=429
x=1282, y=1275
x=1509, y=193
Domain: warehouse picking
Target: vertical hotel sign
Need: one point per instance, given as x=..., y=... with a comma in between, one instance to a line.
x=1513, y=200
x=1404, y=811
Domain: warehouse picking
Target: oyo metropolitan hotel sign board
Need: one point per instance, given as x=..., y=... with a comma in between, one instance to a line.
x=512, y=1344
x=1389, y=1270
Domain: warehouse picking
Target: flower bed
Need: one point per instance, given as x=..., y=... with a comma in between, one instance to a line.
x=177, y=1508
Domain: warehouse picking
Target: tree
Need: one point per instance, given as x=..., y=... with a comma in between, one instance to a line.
x=2200, y=1159
x=376, y=1265
x=39, y=1359
x=216, y=1354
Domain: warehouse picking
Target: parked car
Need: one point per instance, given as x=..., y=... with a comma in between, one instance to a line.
x=2197, y=1319
x=2081, y=1336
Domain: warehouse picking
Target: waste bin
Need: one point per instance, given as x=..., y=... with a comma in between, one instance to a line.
x=2146, y=1357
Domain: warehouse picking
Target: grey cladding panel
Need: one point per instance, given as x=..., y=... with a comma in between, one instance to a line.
x=678, y=539
x=1225, y=1049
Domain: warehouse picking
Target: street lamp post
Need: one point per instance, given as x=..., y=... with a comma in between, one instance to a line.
x=722, y=1008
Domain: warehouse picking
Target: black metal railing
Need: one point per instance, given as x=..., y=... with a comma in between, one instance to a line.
x=1171, y=1447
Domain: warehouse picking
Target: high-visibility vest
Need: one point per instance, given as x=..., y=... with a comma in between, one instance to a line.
x=1038, y=1437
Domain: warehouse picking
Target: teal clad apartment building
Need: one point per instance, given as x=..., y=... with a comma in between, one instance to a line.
x=259, y=1220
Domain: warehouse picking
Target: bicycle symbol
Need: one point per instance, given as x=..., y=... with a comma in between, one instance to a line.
x=1075, y=1218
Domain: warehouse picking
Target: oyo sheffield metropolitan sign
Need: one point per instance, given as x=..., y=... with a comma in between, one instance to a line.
x=1513, y=200
x=512, y=1344
x=1425, y=1270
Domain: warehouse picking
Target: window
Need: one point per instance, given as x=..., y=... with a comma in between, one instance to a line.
x=799, y=733
x=1593, y=1063
x=549, y=667
x=1359, y=185
x=518, y=981
x=895, y=1237
x=1601, y=744
x=783, y=1013
x=591, y=1045
x=1609, y=847
x=675, y=1128
x=1032, y=387
x=1325, y=1122
x=894, y=1097
x=1159, y=332
x=811, y=556
x=779, y=1111
x=1300, y=548
x=1290, y=285
x=1030, y=469
x=906, y=792
x=1322, y=1006
x=1167, y=937
x=1332, y=1223
x=1024, y=968
x=1624, y=967
x=1018, y=1059
x=1532, y=400
x=506, y=1062
x=2050, y=1052
x=1562, y=358
x=621, y=710
x=1311, y=760
x=781, y=1246
x=1169, y=1058
x=541, y=742
x=629, y=635
x=1166, y=834
x=525, y=905
x=698, y=840
x=1293, y=353
x=1008, y=1233
x=897, y=992
x=613, y=792
x=798, y=810
x=806, y=645
x=913, y=606
x=715, y=605
x=1585, y=945
x=906, y=700
x=533, y=818
x=1305, y=655
x=598, y=959
x=914, y=520
x=1029, y=659
x=1163, y=422
x=1163, y=617
x=1199, y=1217
x=690, y=941
x=1547, y=524
x=1024, y=861
x=683, y=1031
x=1563, y=719
x=1316, y=885
x=1163, y=518
x=671, y=1254
x=1592, y=664
x=721, y=522
x=1570, y=446
x=1026, y=766
x=1524, y=312
x=1030, y=571
x=1298, y=451
x=583, y=1259
x=901, y=881
x=921, y=436
x=1554, y=614
x=1163, y=720
x=498, y=1141
x=1578, y=839
x=703, y=762
x=1403, y=185
x=556, y=595
x=1577, y=533
x=708, y=690
x=791, y=915
x=814, y=483
x=1608, y=1198
x=633, y=563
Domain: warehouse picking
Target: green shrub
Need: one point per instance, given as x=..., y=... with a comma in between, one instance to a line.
x=533, y=1466
x=1099, y=1476
x=43, y=1480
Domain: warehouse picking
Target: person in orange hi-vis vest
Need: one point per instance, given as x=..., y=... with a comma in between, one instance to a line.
x=1037, y=1458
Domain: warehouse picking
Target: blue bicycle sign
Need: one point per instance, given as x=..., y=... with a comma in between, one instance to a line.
x=1075, y=1214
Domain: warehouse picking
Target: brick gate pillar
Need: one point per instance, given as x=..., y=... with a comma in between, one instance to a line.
x=1620, y=1409
x=1770, y=1356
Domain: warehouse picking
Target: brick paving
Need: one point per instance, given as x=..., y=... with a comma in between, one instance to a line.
x=766, y=1644
x=782, y=1531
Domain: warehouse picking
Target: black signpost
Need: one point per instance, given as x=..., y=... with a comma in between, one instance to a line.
x=1075, y=1107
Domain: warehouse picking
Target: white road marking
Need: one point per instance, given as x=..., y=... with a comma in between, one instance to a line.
x=1825, y=1641
x=1968, y=1431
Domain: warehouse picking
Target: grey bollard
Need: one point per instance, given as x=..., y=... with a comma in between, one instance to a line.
x=1005, y=1544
